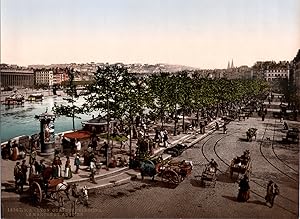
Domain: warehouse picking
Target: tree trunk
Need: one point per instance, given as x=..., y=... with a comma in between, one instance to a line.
x=183, y=126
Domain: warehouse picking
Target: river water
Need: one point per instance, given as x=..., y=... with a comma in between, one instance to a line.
x=19, y=120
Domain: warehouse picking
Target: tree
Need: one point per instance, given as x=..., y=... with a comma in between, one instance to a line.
x=69, y=110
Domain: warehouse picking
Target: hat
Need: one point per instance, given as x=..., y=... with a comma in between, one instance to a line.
x=18, y=163
x=23, y=161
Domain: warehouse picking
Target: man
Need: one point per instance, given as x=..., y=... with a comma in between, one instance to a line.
x=24, y=168
x=32, y=156
x=213, y=164
x=18, y=177
x=224, y=129
x=77, y=162
x=272, y=191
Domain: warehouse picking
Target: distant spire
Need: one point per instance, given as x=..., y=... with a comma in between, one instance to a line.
x=228, y=66
x=232, y=64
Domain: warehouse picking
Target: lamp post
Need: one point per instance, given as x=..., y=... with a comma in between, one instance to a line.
x=47, y=140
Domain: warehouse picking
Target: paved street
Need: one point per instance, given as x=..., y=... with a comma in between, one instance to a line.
x=271, y=160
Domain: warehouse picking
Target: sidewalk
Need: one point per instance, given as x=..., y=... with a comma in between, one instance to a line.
x=104, y=178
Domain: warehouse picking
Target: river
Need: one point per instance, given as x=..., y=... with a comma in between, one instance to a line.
x=19, y=120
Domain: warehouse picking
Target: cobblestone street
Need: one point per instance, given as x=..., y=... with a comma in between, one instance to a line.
x=144, y=199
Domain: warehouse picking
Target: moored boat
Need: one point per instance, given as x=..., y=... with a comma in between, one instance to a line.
x=16, y=99
x=35, y=97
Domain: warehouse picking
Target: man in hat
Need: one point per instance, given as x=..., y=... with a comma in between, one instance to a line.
x=272, y=191
x=24, y=168
x=77, y=162
x=32, y=156
x=213, y=164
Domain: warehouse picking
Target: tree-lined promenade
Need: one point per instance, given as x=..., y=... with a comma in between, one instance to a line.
x=117, y=94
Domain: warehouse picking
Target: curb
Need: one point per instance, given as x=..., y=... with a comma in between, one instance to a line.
x=15, y=196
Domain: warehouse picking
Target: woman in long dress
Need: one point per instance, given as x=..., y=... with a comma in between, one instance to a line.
x=68, y=172
x=244, y=191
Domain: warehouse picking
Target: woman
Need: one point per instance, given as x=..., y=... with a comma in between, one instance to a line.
x=68, y=172
x=244, y=191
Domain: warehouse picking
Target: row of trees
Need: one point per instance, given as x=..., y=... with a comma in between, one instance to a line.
x=118, y=94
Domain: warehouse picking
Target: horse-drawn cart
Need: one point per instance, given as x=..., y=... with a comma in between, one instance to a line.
x=176, y=172
x=241, y=165
x=209, y=177
x=41, y=187
x=251, y=133
x=169, y=171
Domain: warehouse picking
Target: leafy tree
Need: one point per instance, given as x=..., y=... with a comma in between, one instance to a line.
x=70, y=109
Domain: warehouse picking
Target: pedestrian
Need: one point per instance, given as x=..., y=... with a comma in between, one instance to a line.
x=56, y=165
x=263, y=116
x=15, y=151
x=165, y=138
x=42, y=167
x=22, y=151
x=78, y=145
x=106, y=147
x=224, y=129
x=272, y=191
x=68, y=171
x=77, y=162
x=18, y=177
x=32, y=156
x=94, y=142
x=244, y=191
x=93, y=170
x=24, y=168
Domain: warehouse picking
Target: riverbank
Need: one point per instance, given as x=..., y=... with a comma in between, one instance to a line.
x=26, y=92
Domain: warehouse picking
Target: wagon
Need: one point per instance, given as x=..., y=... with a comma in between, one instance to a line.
x=51, y=189
x=251, y=133
x=241, y=165
x=293, y=135
x=175, y=172
x=209, y=177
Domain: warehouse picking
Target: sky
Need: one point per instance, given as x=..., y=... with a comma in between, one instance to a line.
x=197, y=33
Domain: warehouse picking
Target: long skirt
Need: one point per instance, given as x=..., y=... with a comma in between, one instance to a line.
x=243, y=196
x=68, y=173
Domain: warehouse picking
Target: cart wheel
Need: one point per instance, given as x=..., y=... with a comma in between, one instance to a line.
x=170, y=176
x=36, y=193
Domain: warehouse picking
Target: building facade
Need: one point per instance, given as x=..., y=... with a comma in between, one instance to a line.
x=275, y=74
x=44, y=77
x=297, y=75
x=16, y=78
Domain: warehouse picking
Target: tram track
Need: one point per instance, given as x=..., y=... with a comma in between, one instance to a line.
x=258, y=192
x=276, y=155
x=268, y=160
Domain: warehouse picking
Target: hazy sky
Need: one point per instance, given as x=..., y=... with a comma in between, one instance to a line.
x=199, y=33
